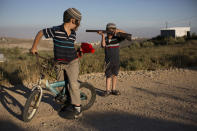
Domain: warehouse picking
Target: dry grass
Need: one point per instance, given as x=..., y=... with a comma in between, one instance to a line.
x=21, y=66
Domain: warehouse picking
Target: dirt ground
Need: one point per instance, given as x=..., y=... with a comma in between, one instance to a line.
x=150, y=101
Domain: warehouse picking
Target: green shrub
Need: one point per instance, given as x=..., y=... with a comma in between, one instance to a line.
x=135, y=45
x=147, y=44
x=180, y=40
x=170, y=40
x=194, y=34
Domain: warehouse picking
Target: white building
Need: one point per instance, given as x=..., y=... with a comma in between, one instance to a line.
x=175, y=32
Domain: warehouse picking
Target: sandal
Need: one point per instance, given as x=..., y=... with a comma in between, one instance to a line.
x=115, y=92
x=106, y=93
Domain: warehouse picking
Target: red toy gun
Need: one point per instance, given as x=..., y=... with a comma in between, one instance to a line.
x=85, y=48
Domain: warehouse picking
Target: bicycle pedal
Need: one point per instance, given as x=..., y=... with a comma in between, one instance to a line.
x=60, y=99
x=58, y=102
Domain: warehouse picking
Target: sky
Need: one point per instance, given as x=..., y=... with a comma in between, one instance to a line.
x=142, y=18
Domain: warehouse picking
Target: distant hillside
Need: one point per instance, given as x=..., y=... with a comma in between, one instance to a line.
x=26, y=44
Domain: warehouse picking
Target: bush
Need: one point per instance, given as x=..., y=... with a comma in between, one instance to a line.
x=158, y=40
x=170, y=40
x=135, y=45
x=180, y=40
x=194, y=36
x=147, y=44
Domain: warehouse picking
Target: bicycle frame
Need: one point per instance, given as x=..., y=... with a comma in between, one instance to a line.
x=52, y=86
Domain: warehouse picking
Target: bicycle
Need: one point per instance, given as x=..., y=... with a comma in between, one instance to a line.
x=87, y=94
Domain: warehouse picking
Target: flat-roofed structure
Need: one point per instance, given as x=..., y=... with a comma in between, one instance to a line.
x=175, y=32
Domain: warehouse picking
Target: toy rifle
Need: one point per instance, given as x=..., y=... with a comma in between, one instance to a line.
x=119, y=34
x=85, y=48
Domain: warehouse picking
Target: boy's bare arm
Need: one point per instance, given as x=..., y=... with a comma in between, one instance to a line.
x=118, y=30
x=33, y=50
x=123, y=34
x=103, y=44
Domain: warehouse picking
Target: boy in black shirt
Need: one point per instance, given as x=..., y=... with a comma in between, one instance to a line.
x=65, y=54
x=111, y=45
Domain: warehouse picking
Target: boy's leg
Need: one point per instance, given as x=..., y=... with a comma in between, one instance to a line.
x=74, y=110
x=108, y=83
x=114, y=80
x=115, y=71
x=60, y=69
x=108, y=74
x=73, y=72
x=59, y=72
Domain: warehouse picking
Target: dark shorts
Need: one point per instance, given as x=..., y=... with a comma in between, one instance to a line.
x=111, y=69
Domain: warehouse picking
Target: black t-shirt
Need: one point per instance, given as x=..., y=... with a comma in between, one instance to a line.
x=112, y=50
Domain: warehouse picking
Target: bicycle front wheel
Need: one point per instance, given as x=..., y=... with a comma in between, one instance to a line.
x=31, y=105
x=88, y=95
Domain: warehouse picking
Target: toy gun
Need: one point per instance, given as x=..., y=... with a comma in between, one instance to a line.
x=119, y=34
x=85, y=48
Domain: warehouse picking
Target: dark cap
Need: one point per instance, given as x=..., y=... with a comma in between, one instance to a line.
x=111, y=25
x=72, y=13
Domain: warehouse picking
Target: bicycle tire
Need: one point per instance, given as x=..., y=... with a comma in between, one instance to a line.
x=93, y=95
x=29, y=116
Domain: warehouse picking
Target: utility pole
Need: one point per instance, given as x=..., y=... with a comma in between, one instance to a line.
x=166, y=24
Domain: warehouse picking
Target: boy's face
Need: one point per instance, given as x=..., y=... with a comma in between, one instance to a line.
x=75, y=24
x=112, y=30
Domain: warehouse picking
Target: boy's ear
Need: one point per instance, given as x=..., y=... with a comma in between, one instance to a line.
x=72, y=20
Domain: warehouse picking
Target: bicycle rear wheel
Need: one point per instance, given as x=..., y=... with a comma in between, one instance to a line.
x=31, y=105
x=87, y=95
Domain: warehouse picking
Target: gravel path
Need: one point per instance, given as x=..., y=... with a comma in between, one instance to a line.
x=150, y=101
